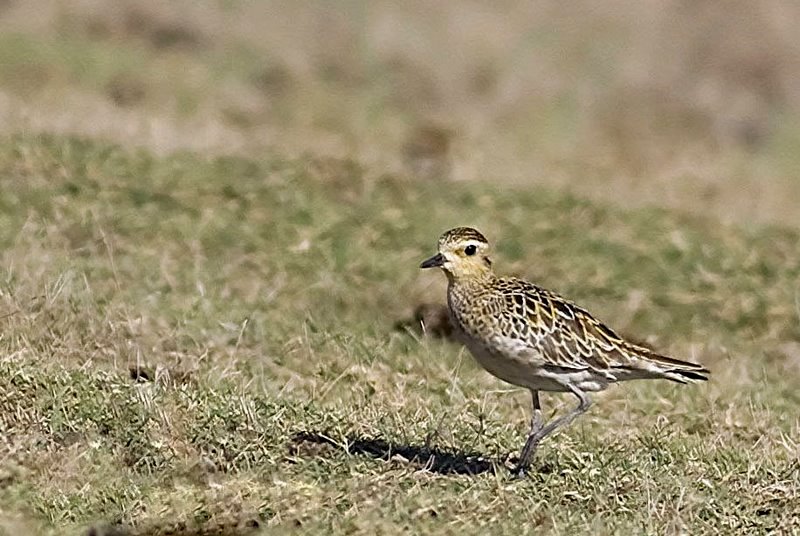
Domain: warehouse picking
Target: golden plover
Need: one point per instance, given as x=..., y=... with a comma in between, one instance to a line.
x=533, y=338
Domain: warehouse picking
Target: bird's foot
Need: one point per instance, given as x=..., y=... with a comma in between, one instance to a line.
x=520, y=471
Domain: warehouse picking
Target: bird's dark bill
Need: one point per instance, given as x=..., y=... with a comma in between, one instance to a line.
x=433, y=262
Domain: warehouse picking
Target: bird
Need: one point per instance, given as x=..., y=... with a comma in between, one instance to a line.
x=533, y=338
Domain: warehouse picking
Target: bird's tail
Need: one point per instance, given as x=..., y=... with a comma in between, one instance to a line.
x=661, y=366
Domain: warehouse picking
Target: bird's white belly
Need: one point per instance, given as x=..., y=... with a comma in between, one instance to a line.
x=525, y=367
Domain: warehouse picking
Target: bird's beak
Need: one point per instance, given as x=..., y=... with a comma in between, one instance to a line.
x=433, y=262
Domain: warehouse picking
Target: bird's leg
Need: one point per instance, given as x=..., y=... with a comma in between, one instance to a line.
x=536, y=425
x=536, y=436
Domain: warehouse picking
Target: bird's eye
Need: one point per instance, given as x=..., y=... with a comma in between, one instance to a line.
x=470, y=250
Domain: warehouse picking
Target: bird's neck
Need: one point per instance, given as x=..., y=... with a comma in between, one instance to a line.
x=476, y=279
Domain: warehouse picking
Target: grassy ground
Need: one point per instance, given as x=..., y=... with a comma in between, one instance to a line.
x=209, y=328
x=206, y=344
x=694, y=108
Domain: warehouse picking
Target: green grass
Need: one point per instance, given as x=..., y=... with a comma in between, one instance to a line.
x=260, y=297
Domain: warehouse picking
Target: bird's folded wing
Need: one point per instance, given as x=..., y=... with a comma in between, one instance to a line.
x=566, y=335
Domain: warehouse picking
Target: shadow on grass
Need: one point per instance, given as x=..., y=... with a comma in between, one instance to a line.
x=243, y=527
x=314, y=444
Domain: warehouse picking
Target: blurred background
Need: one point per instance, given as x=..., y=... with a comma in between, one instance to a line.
x=691, y=105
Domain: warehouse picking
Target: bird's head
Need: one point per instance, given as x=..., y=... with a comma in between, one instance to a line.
x=462, y=254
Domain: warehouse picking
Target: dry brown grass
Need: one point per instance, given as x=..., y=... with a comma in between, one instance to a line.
x=200, y=344
x=688, y=105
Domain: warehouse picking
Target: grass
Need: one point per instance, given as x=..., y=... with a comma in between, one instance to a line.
x=195, y=343
x=199, y=326
x=696, y=110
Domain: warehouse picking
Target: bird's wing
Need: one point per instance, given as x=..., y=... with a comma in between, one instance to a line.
x=566, y=335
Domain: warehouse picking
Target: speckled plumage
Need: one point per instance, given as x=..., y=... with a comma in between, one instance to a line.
x=533, y=338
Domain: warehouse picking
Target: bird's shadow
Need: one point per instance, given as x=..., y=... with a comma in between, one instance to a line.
x=308, y=444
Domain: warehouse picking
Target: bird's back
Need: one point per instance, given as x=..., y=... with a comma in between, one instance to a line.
x=540, y=333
